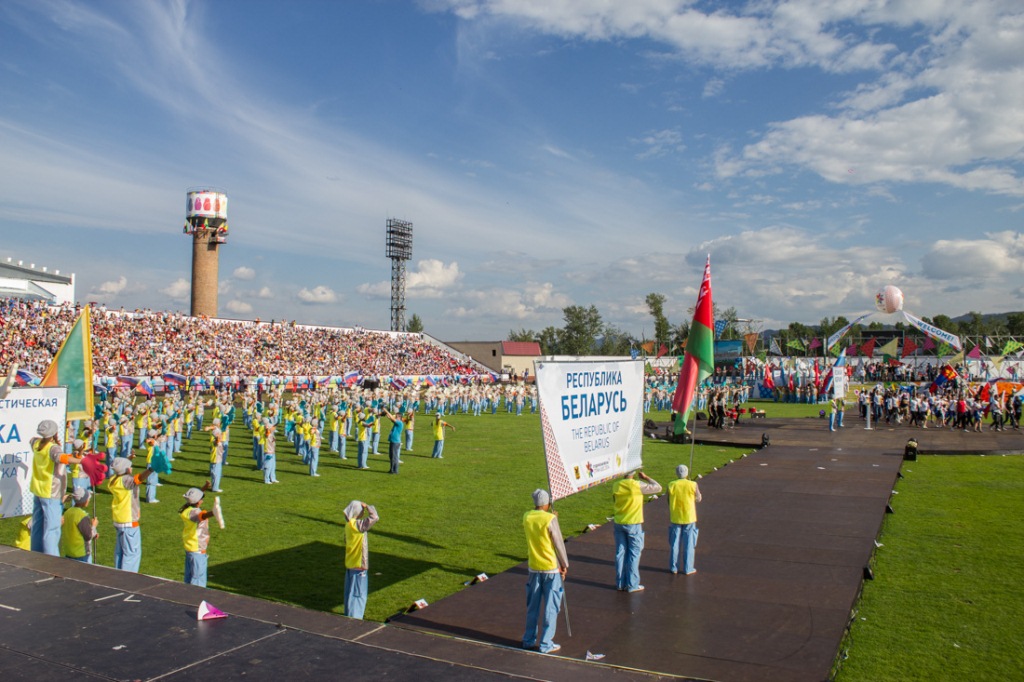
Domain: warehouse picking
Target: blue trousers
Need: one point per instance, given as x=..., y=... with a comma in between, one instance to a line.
x=314, y=459
x=269, y=468
x=629, y=542
x=543, y=591
x=215, y=471
x=151, y=483
x=128, y=549
x=362, y=451
x=408, y=440
x=46, y=521
x=685, y=534
x=195, y=568
x=438, y=449
x=356, y=587
x=376, y=443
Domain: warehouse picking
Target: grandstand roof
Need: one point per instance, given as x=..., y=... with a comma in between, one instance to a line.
x=18, y=272
x=520, y=348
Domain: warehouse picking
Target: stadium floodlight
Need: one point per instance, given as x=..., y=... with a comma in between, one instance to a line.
x=399, y=250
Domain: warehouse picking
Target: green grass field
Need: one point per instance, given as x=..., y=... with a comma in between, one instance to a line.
x=442, y=521
x=946, y=602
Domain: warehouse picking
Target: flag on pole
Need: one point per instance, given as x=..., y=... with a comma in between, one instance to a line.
x=23, y=377
x=908, y=347
x=775, y=350
x=1011, y=346
x=975, y=353
x=174, y=379
x=868, y=349
x=751, y=340
x=72, y=367
x=796, y=343
x=662, y=350
x=720, y=326
x=648, y=347
x=699, y=360
x=815, y=343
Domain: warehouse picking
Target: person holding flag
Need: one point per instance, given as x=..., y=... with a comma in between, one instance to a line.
x=548, y=563
x=683, y=496
x=48, y=485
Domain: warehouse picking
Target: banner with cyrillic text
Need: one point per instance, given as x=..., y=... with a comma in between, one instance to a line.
x=592, y=420
x=20, y=414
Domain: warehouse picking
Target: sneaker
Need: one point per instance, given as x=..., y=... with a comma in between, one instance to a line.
x=691, y=572
x=638, y=588
x=217, y=490
x=362, y=467
x=315, y=475
x=154, y=501
x=554, y=648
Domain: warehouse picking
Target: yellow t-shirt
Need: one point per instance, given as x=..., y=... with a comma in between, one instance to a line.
x=682, y=501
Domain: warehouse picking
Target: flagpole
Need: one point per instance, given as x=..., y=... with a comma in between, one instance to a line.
x=693, y=435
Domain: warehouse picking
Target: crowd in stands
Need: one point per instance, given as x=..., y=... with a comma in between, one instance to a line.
x=148, y=343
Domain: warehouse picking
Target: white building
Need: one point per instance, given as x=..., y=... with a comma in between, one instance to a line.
x=35, y=284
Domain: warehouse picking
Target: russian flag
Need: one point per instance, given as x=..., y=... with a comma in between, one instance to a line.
x=351, y=377
x=26, y=378
x=145, y=388
x=174, y=379
x=429, y=381
x=399, y=383
x=124, y=381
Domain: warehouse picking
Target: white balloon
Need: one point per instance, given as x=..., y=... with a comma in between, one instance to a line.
x=889, y=299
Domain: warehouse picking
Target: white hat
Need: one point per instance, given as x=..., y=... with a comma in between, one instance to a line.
x=47, y=428
x=121, y=465
x=193, y=495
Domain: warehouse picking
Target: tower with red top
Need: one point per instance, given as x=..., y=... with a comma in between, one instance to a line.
x=206, y=219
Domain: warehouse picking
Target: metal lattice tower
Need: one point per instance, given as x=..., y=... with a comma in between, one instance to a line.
x=399, y=250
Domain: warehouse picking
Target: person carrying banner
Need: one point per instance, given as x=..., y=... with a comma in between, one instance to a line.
x=359, y=518
x=683, y=496
x=79, y=529
x=124, y=491
x=548, y=564
x=49, y=483
x=628, y=495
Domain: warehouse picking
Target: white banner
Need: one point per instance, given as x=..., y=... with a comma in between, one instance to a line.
x=592, y=419
x=20, y=414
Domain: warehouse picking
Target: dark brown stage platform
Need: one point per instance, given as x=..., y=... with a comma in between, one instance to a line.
x=786, y=533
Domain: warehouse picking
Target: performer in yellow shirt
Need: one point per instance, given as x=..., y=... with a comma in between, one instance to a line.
x=548, y=563
x=683, y=496
x=628, y=495
x=359, y=518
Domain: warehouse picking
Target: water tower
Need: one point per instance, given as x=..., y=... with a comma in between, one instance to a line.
x=206, y=219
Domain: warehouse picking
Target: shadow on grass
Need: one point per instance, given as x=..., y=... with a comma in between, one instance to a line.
x=310, y=575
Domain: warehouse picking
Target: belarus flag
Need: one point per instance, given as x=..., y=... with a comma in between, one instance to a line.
x=699, y=360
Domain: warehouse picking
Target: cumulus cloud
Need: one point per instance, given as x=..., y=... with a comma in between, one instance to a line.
x=997, y=255
x=265, y=292
x=532, y=301
x=178, y=290
x=110, y=289
x=244, y=273
x=238, y=307
x=431, y=279
x=317, y=295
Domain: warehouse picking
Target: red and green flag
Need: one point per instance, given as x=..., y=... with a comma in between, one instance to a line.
x=72, y=367
x=699, y=360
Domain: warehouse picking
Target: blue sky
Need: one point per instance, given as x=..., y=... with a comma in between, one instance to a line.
x=548, y=152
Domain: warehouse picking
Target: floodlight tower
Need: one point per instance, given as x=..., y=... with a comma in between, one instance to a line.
x=399, y=250
x=206, y=219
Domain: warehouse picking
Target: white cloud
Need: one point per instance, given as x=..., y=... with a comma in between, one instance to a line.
x=179, y=290
x=110, y=289
x=238, y=307
x=998, y=255
x=431, y=279
x=534, y=301
x=265, y=292
x=659, y=143
x=244, y=273
x=317, y=295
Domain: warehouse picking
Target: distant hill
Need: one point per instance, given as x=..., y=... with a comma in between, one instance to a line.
x=987, y=317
